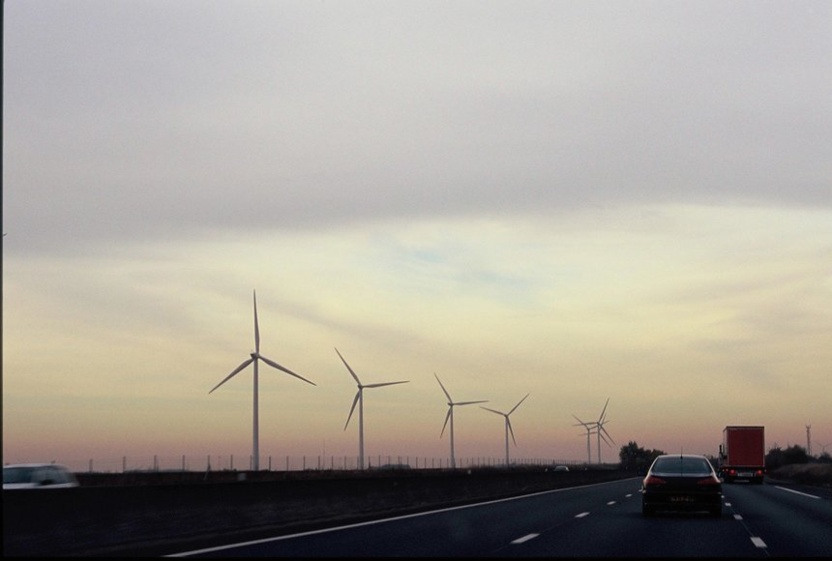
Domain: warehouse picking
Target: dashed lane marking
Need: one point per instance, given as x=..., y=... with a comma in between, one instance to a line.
x=525, y=538
x=758, y=542
x=581, y=515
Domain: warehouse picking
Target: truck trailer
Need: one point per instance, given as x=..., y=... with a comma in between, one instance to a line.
x=742, y=454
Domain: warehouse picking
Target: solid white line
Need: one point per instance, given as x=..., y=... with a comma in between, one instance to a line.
x=758, y=542
x=525, y=538
x=797, y=492
x=581, y=515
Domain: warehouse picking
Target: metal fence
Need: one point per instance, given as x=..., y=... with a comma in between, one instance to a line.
x=231, y=462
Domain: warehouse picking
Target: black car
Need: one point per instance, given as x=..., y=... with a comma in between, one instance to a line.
x=681, y=482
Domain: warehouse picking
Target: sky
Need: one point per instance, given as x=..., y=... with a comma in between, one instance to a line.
x=581, y=201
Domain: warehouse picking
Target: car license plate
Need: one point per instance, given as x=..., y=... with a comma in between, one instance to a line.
x=745, y=474
x=681, y=499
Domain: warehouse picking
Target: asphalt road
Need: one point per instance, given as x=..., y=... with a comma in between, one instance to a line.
x=602, y=520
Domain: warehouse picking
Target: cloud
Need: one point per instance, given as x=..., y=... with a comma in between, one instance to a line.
x=138, y=120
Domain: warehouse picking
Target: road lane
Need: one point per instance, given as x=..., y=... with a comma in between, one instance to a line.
x=788, y=520
x=601, y=520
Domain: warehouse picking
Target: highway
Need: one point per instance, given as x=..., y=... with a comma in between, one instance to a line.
x=601, y=520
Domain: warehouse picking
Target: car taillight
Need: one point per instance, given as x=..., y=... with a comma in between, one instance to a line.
x=653, y=480
x=708, y=481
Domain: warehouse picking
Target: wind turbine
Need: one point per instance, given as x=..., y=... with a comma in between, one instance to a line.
x=255, y=358
x=450, y=416
x=601, y=431
x=359, y=399
x=588, y=427
x=508, y=423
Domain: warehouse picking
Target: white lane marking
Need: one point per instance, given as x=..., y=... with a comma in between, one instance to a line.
x=525, y=538
x=727, y=504
x=738, y=517
x=797, y=492
x=610, y=503
x=628, y=495
x=581, y=515
x=758, y=542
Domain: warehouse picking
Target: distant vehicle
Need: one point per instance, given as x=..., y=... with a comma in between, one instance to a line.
x=742, y=454
x=561, y=468
x=38, y=476
x=683, y=482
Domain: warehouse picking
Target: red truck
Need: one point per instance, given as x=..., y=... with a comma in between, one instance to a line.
x=742, y=454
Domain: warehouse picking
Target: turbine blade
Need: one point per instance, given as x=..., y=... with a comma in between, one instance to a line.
x=354, y=402
x=273, y=364
x=579, y=421
x=233, y=373
x=471, y=402
x=518, y=404
x=511, y=430
x=348, y=368
x=256, y=327
x=604, y=438
x=493, y=411
x=443, y=388
x=604, y=410
x=603, y=432
x=380, y=384
x=447, y=416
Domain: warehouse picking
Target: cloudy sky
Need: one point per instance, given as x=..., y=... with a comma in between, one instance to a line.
x=575, y=200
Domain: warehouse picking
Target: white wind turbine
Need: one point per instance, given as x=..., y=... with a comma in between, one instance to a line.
x=588, y=427
x=508, y=423
x=359, y=400
x=600, y=431
x=255, y=358
x=450, y=416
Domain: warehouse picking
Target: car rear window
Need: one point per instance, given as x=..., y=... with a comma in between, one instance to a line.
x=17, y=474
x=682, y=466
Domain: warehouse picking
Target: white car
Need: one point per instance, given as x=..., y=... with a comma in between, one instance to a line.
x=37, y=476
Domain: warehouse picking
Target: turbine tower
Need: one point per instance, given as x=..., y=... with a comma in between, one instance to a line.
x=255, y=358
x=601, y=431
x=588, y=427
x=507, y=423
x=450, y=416
x=359, y=400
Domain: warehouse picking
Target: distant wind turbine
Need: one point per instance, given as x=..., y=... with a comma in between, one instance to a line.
x=507, y=423
x=256, y=357
x=600, y=431
x=450, y=416
x=588, y=427
x=359, y=400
